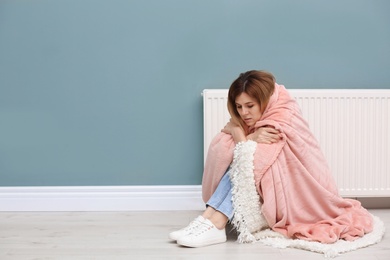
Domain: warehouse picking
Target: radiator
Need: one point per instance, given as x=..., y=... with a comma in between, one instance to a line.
x=352, y=127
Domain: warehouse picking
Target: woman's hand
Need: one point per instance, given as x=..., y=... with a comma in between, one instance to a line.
x=265, y=135
x=235, y=130
x=230, y=127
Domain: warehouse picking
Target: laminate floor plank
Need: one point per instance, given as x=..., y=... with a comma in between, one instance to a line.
x=137, y=235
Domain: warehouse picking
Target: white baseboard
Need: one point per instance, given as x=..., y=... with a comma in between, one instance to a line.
x=101, y=198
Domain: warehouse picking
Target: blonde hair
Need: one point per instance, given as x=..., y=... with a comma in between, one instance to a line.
x=257, y=84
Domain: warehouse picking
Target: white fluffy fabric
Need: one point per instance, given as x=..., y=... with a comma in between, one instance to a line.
x=246, y=201
x=252, y=226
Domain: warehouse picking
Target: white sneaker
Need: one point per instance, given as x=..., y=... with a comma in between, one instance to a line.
x=206, y=234
x=175, y=235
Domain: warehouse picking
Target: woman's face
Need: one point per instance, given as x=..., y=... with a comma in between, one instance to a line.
x=248, y=108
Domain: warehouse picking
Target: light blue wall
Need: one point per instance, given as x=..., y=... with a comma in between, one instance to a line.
x=97, y=92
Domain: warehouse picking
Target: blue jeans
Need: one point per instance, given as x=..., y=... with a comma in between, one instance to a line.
x=221, y=200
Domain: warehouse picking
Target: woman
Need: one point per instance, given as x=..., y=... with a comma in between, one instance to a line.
x=287, y=171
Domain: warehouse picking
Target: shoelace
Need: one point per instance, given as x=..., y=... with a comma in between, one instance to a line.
x=193, y=225
x=202, y=229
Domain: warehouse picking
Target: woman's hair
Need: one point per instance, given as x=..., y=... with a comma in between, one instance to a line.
x=258, y=84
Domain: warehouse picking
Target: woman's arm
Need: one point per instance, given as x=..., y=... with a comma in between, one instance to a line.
x=265, y=135
x=235, y=131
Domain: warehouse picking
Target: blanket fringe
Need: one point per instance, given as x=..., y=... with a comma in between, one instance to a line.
x=248, y=218
x=274, y=239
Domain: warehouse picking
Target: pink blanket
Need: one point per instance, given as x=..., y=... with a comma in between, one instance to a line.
x=299, y=195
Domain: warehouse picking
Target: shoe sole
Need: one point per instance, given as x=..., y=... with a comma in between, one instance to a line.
x=209, y=243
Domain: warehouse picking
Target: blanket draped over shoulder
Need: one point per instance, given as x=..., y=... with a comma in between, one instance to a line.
x=298, y=196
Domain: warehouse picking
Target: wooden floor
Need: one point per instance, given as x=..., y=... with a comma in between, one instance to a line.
x=137, y=235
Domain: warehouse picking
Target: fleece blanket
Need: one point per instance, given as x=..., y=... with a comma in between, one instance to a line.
x=295, y=193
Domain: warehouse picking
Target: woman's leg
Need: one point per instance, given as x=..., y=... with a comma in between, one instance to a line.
x=208, y=212
x=209, y=228
x=219, y=207
x=219, y=211
x=216, y=217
